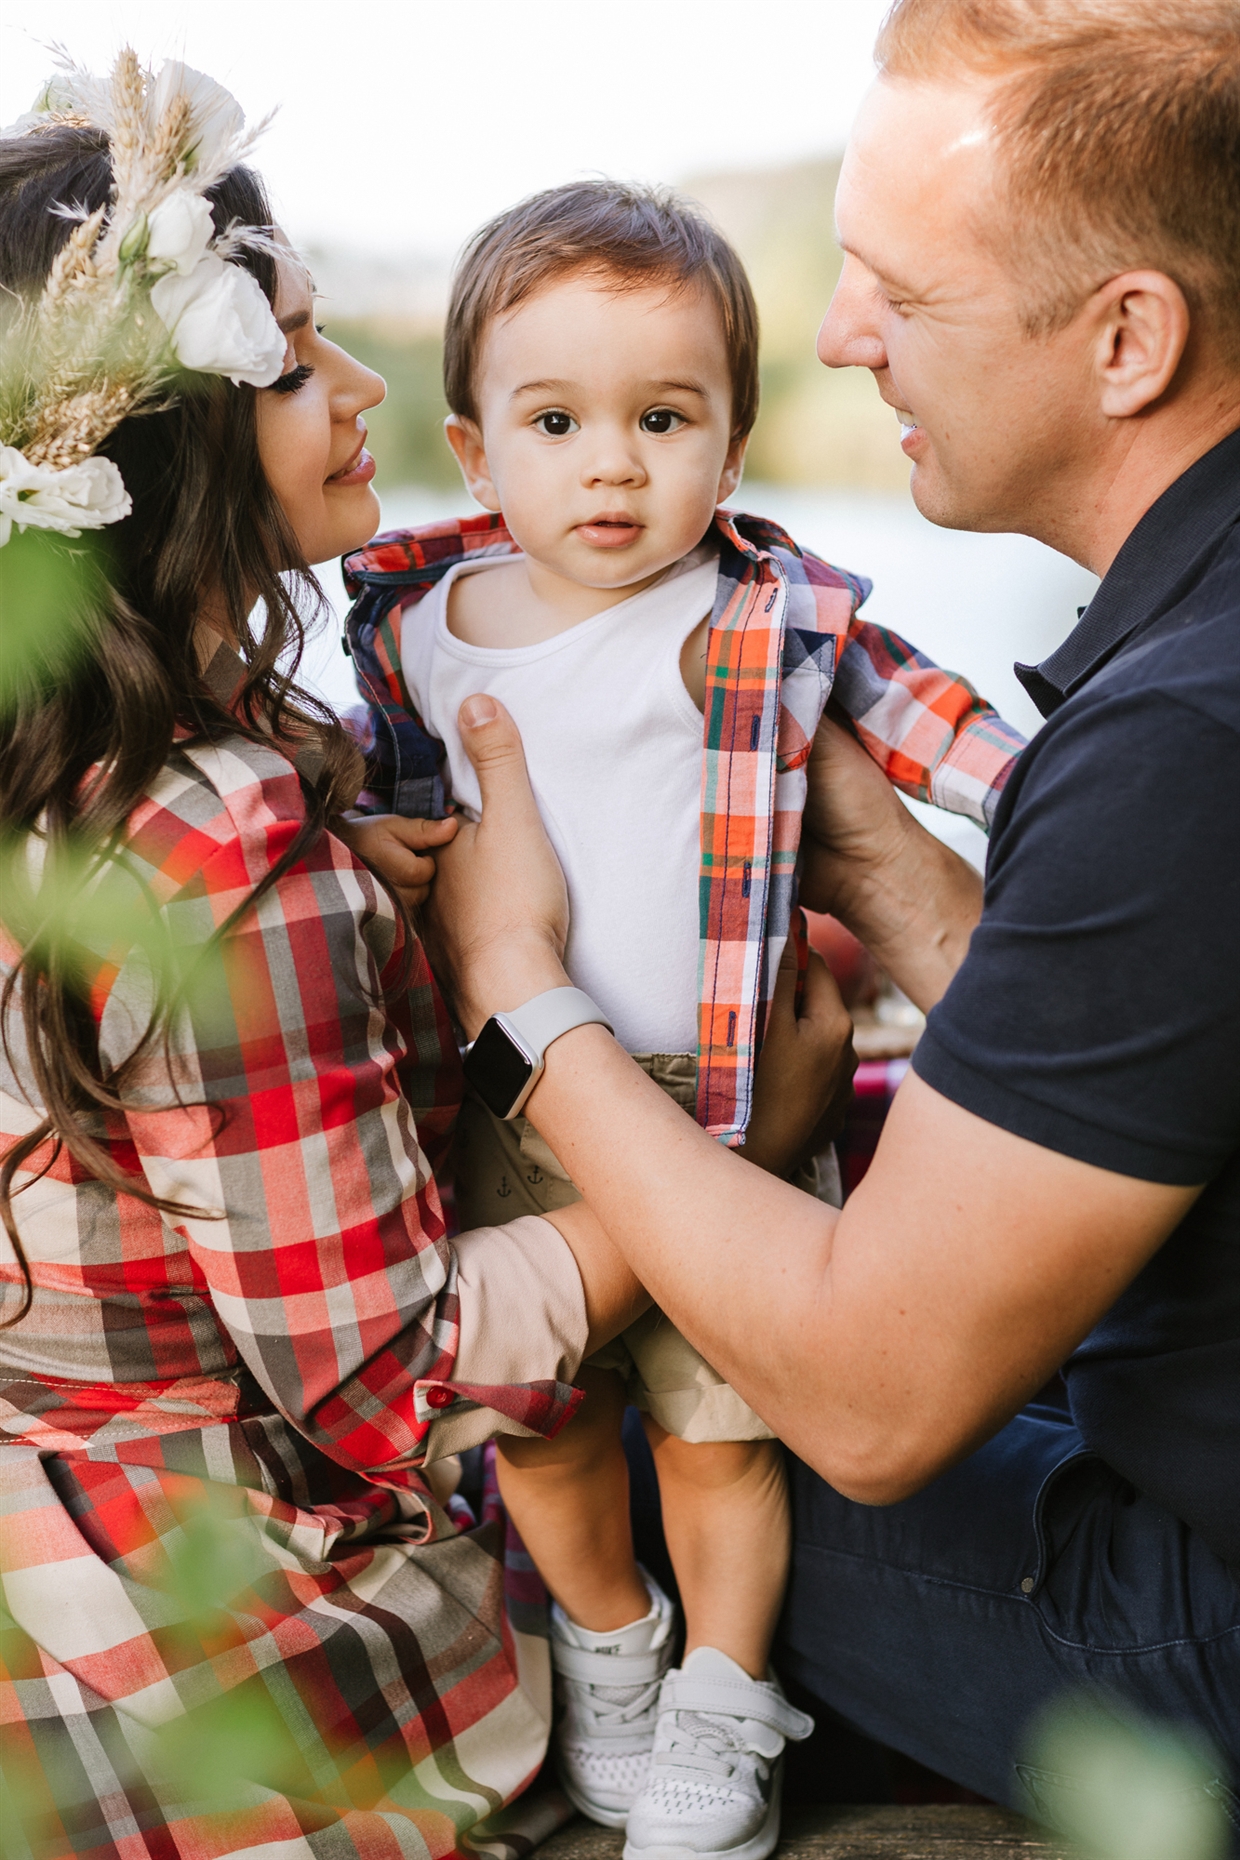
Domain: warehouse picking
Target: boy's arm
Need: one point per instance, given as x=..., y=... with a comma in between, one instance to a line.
x=929, y=731
x=402, y=762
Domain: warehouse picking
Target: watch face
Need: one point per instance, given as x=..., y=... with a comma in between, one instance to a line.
x=497, y=1069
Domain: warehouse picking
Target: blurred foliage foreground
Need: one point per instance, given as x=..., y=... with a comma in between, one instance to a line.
x=818, y=426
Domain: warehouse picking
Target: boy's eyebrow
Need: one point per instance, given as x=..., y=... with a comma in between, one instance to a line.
x=683, y=387
x=541, y=387
x=566, y=387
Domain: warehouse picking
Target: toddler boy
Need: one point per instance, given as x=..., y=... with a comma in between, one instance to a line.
x=667, y=664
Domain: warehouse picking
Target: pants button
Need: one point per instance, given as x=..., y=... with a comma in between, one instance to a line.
x=1027, y=1585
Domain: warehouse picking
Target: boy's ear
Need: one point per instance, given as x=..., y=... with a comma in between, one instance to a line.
x=733, y=466
x=465, y=438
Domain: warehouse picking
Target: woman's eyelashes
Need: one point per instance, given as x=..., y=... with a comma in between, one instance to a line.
x=294, y=379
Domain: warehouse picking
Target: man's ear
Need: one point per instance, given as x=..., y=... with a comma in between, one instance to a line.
x=1143, y=324
x=733, y=466
x=465, y=438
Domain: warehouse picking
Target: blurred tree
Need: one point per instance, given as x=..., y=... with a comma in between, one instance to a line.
x=817, y=426
x=406, y=431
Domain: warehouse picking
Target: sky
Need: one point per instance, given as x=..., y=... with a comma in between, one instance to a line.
x=405, y=123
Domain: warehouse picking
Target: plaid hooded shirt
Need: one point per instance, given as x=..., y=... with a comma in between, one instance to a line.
x=785, y=637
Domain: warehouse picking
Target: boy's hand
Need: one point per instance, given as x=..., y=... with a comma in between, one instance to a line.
x=400, y=850
x=803, y=1084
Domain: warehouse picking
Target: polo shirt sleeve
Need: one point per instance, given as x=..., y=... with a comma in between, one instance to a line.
x=1097, y=1012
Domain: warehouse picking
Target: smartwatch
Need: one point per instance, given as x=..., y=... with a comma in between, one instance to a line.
x=505, y=1062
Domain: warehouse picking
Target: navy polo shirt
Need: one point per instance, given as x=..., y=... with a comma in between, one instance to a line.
x=1098, y=1009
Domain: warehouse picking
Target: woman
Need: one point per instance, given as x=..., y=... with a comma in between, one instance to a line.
x=235, y=1333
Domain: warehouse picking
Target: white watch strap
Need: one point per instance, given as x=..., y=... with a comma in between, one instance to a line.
x=542, y=1020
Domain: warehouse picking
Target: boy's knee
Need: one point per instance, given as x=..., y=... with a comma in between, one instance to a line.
x=714, y=1463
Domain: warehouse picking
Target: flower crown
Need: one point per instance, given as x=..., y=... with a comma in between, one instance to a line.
x=90, y=352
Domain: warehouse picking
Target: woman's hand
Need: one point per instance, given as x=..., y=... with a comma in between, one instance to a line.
x=498, y=917
x=401, y=851
x=803, y=1084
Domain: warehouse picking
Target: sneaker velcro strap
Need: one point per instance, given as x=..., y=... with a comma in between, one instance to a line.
x=733, y=1699
x=607, y=1669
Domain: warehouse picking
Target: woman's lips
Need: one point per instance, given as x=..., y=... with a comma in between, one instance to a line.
x=359, y=470
x=609, y=532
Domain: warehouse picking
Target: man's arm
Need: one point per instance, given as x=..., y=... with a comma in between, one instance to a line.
x=884, y=1342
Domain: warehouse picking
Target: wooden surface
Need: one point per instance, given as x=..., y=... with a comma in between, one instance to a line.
x=924, y=1833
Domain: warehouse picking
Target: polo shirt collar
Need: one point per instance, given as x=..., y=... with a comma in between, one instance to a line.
x=1161, y=554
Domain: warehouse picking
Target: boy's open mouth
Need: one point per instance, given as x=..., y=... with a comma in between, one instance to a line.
x=610, y=531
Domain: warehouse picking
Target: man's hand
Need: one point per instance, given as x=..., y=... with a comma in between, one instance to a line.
x=910, y=899
x=803, y=1084
x=498, y=919
x=401, y=851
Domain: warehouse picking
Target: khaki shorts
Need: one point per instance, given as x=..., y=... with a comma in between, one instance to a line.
x=505, y=1169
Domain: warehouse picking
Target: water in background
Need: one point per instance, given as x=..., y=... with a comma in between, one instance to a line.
x=974, y=602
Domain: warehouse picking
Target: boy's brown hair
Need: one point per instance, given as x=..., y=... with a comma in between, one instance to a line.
x=1119, y=127
x=631, y=236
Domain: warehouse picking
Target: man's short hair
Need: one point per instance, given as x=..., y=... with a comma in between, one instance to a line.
x=1119, y=122
x=631, y=236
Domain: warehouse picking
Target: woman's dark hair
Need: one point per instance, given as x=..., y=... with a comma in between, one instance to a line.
x=90, y=710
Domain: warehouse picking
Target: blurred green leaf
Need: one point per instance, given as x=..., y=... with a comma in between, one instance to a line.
x=1125, y=1787
x=214, y=1752
x=218, y=1556
x=48, y=602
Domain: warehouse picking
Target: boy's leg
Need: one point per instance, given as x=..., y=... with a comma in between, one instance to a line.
x=726, y=1521
x=569, y=1499
x=611, y=1632
x=713, y=1789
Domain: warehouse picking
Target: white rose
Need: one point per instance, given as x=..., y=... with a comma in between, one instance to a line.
x=220, y=322
x=57, y=94
x=88, y=496
x=179, y=231
x=216, y=118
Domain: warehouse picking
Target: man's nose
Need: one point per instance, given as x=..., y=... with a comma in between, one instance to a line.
x=848, y=337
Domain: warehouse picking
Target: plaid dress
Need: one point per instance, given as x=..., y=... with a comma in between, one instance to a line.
x=235, y=1617
x=785, y=638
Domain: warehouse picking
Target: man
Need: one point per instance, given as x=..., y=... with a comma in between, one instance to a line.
x=1040, y=210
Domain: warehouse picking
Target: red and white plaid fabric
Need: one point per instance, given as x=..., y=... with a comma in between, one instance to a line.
x=283, y=1370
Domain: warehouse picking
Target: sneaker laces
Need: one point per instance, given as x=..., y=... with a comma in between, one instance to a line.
x=714, y=1745
x=620, y=1706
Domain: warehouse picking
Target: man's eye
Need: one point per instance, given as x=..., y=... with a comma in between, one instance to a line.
x=661, y=420
x=556, y=425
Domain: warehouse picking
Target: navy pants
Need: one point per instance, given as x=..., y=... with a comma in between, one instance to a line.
x=942, y=1625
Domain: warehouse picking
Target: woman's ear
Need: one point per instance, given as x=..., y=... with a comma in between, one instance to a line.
x=465, y=438
x=733, y=466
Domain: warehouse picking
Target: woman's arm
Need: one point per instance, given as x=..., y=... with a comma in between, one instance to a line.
x=884, y=1342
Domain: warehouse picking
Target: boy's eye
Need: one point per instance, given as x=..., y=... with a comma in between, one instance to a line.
x=661, y=420
x=556, y=425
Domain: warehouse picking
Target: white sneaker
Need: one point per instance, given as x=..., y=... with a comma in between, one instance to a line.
x=607, y=1705
x=713, y=1788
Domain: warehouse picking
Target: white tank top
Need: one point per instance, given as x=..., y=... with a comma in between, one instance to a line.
x=614, y=746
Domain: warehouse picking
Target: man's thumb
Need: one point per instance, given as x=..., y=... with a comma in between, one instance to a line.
x=492, y=742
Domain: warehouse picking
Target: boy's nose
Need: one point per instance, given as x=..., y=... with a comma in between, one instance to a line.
x=613, y=461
